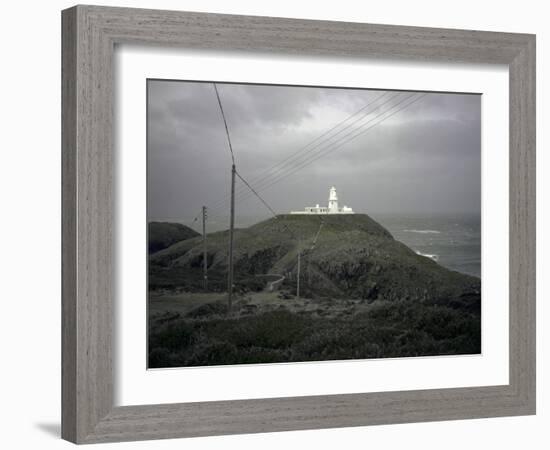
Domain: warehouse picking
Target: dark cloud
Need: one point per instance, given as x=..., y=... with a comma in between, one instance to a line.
x=426, y=158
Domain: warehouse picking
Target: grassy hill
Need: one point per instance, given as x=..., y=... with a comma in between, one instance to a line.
x=164, y=234
x=353, y=256
x=363, y=295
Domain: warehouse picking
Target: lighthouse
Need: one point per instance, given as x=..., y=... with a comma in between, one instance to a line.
x=332, y=207
x=332, y=201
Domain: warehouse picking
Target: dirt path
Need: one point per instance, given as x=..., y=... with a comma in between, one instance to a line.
x=274, y=280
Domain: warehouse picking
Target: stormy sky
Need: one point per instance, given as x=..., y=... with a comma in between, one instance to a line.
x=389, y=153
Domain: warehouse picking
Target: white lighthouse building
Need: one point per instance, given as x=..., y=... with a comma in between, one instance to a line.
x=332, y=207
x=333, y=201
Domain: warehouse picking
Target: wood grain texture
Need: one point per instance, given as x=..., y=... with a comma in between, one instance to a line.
x=68, y=224
x=89, y=36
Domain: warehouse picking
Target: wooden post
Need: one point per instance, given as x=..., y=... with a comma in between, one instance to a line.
x=205, y=254
x=308, y=271
x=231, y=226
x=298, y=276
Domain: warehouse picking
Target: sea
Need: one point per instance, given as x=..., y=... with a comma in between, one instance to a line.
x=452, y=241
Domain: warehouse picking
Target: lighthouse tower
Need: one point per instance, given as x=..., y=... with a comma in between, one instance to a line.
x=332, y=201
x=332, y=207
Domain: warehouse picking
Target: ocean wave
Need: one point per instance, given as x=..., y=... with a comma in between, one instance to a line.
x=423, y=231
x=428, y=255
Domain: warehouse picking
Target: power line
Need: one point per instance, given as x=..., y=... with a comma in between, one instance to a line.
x=341, y=142
x=330, y=147
x=197, y=217
x=323, y=144
x=334, y=145
x=271, y=171
x=295, y=160
x=297, y=154
x=256, y=194
x=225, y=123
x=298, y=267
x=191, y=223
x=264, y=203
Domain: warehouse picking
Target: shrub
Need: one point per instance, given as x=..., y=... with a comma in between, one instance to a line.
x=174, y=336
x=206, y=336
x=159, y=357
x=208, y=309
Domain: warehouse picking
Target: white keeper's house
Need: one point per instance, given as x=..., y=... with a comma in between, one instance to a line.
x=332, y=207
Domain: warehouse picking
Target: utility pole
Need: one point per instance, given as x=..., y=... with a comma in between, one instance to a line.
x=231, y=226
x=298, y=277
x=204, y=254
x=308, y=271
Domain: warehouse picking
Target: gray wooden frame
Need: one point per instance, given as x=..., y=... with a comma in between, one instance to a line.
x=89, y=36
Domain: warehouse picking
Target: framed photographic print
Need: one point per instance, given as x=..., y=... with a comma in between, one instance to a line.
x=256, y=209
x=322, y=282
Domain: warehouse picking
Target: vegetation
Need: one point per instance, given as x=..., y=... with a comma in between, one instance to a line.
x=353, y=257
x=164, y=234
x=207, y=336
x=364, y=295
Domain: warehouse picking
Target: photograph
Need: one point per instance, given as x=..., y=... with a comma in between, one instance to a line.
x=293, y=224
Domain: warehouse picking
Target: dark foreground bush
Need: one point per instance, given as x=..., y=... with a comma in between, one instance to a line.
x=208, y=309
x=389, y=329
